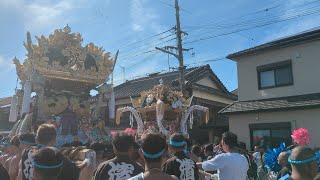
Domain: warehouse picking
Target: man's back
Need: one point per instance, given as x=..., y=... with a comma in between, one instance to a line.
x=229, y=165
x=118, y=169
x=156, y=176
x=14, y=167
x=181, y=166
x=69, y=170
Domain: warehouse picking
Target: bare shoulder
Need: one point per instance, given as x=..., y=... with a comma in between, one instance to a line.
x=8, y=160
x=171, y=177
x=15, y=159
x=174, y=177
x=164, y=176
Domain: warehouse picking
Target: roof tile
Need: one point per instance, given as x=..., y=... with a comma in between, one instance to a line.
x=283, y=103
x=135, y=87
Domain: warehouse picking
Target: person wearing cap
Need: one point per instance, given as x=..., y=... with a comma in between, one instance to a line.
x=180, y=165
x=230, y=165
x=304, y=164
x=153, y=150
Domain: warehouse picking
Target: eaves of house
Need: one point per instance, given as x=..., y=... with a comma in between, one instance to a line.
x=300, y=102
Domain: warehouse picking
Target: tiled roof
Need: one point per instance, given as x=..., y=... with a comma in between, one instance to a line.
x=275, y=104
x=305, y=36
x=135, y=87
x=219, y=121
x=5, y=101
x=235, y=92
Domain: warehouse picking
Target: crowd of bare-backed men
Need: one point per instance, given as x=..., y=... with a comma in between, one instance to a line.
x=35, y=157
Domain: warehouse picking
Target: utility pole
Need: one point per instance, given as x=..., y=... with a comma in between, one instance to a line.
x=182, y=67
x=179, y=49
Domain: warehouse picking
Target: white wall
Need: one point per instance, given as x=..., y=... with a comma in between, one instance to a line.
x=211, y=97
x=309, y=119
x=305, y=70
x=206, y=81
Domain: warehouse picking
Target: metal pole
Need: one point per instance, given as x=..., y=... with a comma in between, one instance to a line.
x=180, y=50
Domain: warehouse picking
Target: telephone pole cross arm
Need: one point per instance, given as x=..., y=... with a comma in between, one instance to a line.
x=180, y=50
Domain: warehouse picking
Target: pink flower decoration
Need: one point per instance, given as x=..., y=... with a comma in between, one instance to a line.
x=130, y=130
x=301, y=136
x=113, y=133
x=257, y=138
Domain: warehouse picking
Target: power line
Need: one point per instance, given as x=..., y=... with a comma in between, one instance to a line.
x=221, y=25
x=211, y=21
x=251, y=22
x=144, y=75
x=137, y=50
x=160, y=40
x=174, y=7
x=208, y=60
x=137, y=55
x=253, y=27
x=140, y=62
x=150, y=37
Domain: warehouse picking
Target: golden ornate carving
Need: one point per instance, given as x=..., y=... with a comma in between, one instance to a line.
x=62, y=56
x=171, y=97
x=81, y=107
x=55, y=105
x=22, y=69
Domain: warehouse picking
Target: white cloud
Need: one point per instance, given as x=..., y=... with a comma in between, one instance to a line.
x=137, y=27
x=294, y=26
x=5, y=66
x=292, y=7
x=142, y=16
x=44, y=15
x=41, y=15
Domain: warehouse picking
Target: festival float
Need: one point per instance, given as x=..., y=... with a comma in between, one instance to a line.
x=162, y=110
x=61, y=72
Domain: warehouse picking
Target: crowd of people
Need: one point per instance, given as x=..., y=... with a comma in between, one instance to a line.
x=35, y=157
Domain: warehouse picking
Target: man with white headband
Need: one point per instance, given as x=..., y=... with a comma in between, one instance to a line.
x=304, y=164
x=153, y=150
x=180, y=165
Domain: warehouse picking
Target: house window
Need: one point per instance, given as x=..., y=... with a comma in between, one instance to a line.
x=270, y=134
x=275, y=75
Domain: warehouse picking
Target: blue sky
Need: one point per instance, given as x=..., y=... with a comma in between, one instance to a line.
x=215, y=29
